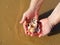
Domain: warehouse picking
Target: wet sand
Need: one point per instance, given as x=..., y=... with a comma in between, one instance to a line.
x=12, y=33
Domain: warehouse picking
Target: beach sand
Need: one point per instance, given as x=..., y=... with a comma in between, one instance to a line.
x=12, y=32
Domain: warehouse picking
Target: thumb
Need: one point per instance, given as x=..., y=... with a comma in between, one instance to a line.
x=36, y=17
x=22, y=20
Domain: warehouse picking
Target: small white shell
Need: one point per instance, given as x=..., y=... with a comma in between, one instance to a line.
x=32, y=30
x=32, y=25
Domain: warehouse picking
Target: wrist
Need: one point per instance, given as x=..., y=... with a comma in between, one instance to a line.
x=51, y=22
x=54, y=18
x=31, y=8
x=36, y=11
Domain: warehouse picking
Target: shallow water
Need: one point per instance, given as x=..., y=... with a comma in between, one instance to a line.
x=12, y=33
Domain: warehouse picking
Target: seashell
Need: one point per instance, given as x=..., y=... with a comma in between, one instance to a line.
x=33, y=26
x=32, y=30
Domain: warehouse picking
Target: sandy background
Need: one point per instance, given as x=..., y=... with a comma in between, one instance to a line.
x=12, y=33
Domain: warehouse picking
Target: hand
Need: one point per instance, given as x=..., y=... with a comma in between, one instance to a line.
x=45, y=27
x=27, y=16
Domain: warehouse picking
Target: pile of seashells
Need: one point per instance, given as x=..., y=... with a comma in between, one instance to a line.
x=33, y=26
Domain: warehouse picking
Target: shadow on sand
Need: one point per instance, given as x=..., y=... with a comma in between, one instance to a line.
x=56, y=29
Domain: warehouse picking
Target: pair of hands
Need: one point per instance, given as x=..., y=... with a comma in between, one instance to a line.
x=45, y=24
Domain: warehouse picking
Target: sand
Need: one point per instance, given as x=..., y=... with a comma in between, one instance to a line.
x=12, y=33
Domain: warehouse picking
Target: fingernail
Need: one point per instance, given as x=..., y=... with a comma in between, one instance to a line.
x=31, y=35
x=40, y=35
x=26, y=32
x=20, y=22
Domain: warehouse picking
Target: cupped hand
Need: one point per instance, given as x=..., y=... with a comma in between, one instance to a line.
x=45, y=27
x=27, y=16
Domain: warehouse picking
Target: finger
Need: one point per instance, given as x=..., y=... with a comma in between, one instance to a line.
x=25, y=27
x=40, y=35
x=32, y=34
x=29, y=32
x=23, y=19
x=39, y=31
x=39, y=28
x=36, y=16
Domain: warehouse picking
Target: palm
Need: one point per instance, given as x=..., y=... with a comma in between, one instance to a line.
x=27, y=16
x=46, y=27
